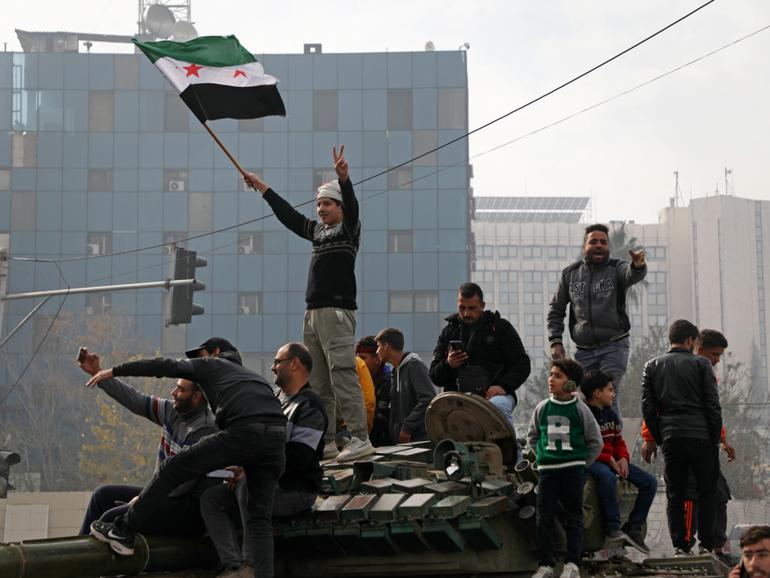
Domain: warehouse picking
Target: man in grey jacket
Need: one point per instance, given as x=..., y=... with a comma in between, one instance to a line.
x=183, y=420
x=411, y=389
x=595, y=289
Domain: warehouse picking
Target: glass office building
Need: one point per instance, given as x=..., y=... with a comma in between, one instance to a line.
x=99, y=156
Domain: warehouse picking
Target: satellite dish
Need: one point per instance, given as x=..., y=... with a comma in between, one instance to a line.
x=159, y=20
x=184, y=31
x=429, y=46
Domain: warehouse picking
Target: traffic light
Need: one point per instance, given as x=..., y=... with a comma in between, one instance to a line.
x=7, y=459
x=182, y=306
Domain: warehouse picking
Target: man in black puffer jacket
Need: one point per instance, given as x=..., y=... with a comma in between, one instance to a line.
x=252, y=434
x=680, y=405
x=480, y=352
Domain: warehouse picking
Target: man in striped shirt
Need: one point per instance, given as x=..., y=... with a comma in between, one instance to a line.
x=184, y=419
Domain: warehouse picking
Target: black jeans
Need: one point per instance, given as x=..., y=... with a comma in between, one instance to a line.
x=104, y=499
x=258, y=448
x=702, y=457
x=565, y=486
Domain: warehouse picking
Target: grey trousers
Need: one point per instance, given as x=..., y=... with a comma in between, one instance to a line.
x=329, y=334
x=221, y=508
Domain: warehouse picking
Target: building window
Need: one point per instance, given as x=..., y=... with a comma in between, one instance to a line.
x=325, y=110
x=452, y=108
x=5, y=180
x=200, y=211
x=175, y=180
x=249, y=303
x=23, y=211
x=422, y=142
x=321, y=176
x=533, y=319
x=126, y=71
x=400, y=242
x=98, y=303
x=530, y=277
x=485, y=251
x=399, y=178
x=533, y=298
x=177, y=115
x=558, y=252
x=400, y=109
x=425, y=302
x=251, y=124
x=24, y=149
x=98, y=244
x=508, y=252
x=413, y=302
x=101, y=111
x=401, y=302
x=99, y=180
x=532, y=252
x=249, y=242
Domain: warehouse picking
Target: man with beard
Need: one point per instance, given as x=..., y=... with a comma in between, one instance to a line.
x=595, y=289
x=755, y=554
x=183, y=420
x=480, y=352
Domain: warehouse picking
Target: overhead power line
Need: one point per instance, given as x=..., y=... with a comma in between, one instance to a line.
x=374, y=176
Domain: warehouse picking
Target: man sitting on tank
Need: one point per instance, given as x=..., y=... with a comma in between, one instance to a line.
x=301, y=481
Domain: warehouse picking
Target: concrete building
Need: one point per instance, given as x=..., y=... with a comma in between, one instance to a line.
x=707, y=263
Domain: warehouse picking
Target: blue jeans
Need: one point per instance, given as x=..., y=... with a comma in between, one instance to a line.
x=565, y=486
x=506, y=404
x=606, y=487
x=610, y=358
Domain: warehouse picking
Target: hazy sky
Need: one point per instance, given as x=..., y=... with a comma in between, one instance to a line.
x=711, y=115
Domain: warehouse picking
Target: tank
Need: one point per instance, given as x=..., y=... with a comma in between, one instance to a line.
x=460, y=504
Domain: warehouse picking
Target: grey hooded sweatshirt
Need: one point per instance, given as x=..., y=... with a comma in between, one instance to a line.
x=411, y=390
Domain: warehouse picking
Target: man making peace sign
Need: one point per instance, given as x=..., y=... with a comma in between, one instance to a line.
x=330, y=323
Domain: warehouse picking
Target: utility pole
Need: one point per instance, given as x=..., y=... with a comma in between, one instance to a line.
x=3, y=283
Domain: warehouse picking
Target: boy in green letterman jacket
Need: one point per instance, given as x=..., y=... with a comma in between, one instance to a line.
x=566, y=439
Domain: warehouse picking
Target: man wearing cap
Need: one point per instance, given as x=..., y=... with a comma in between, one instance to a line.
x=252, y=434
x=330, y=323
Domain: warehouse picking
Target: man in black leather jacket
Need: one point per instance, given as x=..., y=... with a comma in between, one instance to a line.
x=680, y=404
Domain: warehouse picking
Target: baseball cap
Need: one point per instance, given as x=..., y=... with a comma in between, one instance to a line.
x=212, y=343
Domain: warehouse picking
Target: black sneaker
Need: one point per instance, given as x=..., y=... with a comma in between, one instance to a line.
x=120, y=539
x=634, y=538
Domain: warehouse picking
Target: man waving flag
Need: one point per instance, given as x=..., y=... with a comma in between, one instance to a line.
x=216, y=77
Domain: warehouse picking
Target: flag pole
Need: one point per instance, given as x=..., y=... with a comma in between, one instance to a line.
x=224, y=148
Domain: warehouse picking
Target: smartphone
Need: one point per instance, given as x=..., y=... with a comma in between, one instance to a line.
x=82, y=355
x=456, y=345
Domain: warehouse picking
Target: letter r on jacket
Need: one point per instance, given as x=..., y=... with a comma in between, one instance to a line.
x=558, y=431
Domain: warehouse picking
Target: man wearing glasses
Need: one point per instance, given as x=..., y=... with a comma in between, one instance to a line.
x=301, y=481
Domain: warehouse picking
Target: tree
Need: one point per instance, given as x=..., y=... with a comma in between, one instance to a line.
x=645, y=348
x=620, y=244
x=50, y=415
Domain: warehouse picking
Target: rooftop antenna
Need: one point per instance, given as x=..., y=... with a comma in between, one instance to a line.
x=727, y=173
x=677, y=191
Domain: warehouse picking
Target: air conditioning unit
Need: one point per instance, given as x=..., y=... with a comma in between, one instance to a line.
x=94, y=249
x=176, y=185
x=244, y=310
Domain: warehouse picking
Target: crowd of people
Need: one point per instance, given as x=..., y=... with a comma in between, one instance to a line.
x=236, y=449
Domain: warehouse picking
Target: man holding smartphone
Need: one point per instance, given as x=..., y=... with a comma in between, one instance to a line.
x=755, y=554
x=480, y=352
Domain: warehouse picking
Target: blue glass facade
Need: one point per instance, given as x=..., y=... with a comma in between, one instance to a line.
x=98, y=156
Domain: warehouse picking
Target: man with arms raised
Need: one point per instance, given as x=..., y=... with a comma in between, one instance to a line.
x=595, y=289
x=330, y=322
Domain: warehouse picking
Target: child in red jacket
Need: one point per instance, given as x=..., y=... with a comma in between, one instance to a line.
x=613, y=463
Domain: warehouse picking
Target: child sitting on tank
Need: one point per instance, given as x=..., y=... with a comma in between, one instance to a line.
x=566, y=439
x=613, y=463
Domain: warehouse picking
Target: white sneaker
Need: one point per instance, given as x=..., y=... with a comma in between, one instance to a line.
x=330, y=450
x=543, y=572
x=356, y=448
x=570, y=570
